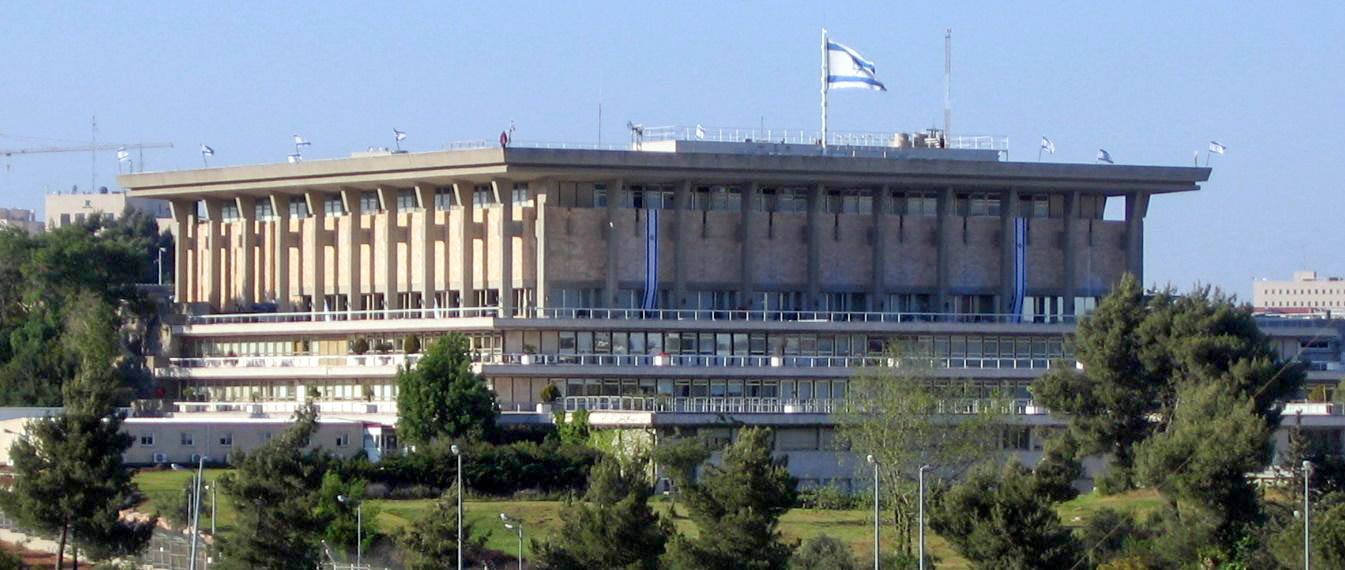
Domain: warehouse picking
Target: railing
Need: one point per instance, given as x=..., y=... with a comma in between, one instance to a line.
x=324, y=316
x=625, y=360
x=759, y=405
x=1320, y=320
x=632, y=314
x=809, y=137
x=286, y=407
x=728, y=361
x=301, y=361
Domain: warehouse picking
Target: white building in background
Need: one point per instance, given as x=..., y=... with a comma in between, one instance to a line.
x=1306, y=294
x=65, y=209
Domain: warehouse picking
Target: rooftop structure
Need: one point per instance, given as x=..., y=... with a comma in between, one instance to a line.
x=74, y=208
x=19, y=218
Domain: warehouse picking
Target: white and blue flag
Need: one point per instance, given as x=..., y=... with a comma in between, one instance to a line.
x=846, y=69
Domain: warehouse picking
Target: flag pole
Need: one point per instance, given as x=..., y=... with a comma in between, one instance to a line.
x=825, y=72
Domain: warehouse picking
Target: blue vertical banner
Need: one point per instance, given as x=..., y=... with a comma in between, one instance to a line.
x=1019, y=266
x=650, y=260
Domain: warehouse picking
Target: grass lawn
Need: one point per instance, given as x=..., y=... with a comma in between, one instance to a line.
x=157, y=485
x=542, y=518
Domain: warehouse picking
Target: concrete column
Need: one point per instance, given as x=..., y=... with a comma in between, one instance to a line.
x=183, y=212
x=504, y=241
x=315, y=246
x=386, y=263
x=878, y=273
x=247, y=241
x=746, y=257
x=1067, y=276
x=466, y=234
x=423, y=241
x=680, y=203
x=348, y=249
x=542, y=287
x=946, y=211
x=214, y=276
x=1137, y=205
x=815, y=203
x=280, y=205
x=614, y=194
x=1008, y=211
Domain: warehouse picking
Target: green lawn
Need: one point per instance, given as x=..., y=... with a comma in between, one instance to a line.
x=542, y=518
x=156, y=485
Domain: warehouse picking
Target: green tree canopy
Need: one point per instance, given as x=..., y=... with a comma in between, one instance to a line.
x=432, y=543
x=823, y=552
x=442, y=397
x=736, y=507
x=274, y=492
x=998, y=520
x=614, y=528
x=69, y=474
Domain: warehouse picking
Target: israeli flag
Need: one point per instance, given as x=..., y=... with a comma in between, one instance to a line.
x=1217, y=148
x=1103, y=156
x=122, y=155
x=399, y=135
x=846, y=69
x=1048, y=145
x=300, y=141
x=207, y=151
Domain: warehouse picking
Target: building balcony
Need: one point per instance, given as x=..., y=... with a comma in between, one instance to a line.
x=528, y=364
x=749, y=405
x=625, y=315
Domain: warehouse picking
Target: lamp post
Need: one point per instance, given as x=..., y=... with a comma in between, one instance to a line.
x=921, y=520
x=515, y=525
x=213, y=496
x=1307, y=518
x=160, y=264
x=196, y=511
x=457, y=452
x=359, y=528
x=876, y=548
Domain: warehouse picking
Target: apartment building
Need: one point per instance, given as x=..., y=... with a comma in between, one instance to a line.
x=1305, y=294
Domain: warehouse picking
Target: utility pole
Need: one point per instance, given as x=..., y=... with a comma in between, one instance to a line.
x=947, y=84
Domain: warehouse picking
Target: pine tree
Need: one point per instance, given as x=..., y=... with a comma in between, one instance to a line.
x=432, y=543
x=69, y=474
x=736, y=507
x=442, y=397
x=273, y=490
x=997, y=520
x=615, y=527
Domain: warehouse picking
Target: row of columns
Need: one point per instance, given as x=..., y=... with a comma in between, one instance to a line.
x=347, y=238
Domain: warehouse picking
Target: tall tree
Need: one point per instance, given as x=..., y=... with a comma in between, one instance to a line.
x=615, y=527
x=344, y=526
x=736, y=507
x=1139, y=353
x=69, y=474
x=680, y=457
x=442, y=397
x=432, y=542
x=906, y=416
x=998, y=520
x=273, y=490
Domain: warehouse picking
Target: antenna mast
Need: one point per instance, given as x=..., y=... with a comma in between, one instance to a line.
x=947, y=83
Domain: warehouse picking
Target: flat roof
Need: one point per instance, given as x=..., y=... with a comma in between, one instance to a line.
x=480, y=165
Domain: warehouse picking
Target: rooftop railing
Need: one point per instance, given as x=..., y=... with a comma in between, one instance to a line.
x=871, y=139
x=629, y=314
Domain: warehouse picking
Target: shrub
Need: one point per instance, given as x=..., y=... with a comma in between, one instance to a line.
x=359, y=346
x=550, y=393
x=411, y=345
x=829, y=498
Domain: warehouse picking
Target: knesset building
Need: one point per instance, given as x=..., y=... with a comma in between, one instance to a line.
x=680, y=284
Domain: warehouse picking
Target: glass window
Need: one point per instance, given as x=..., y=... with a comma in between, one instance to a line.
x=369, y=203
x=567, y=344
x=599, y=195
x=332, y=206
x=520, y=194
x=756, y=344
x=263, y=210
x=187, y=439
x=707, y=343
x=228, y=212
x=602, y=342
x=298, y=207
x=483, y=196
x=406, y=200
x=444, y=198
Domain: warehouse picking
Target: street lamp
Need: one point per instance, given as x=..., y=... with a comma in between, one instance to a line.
x=196, y=510
x=160, y=264
x=213, y=496
x=1307, y=520
x=876, y=549
x=457, y=452
x=921, y=476
x=359, y=527
x=515, y=525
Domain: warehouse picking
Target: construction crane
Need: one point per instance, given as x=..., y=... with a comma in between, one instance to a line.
x=90, y=148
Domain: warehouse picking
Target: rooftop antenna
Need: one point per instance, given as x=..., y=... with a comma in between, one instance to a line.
x=947, y=83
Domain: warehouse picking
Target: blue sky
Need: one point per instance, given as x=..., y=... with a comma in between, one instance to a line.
x=1149, y=81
